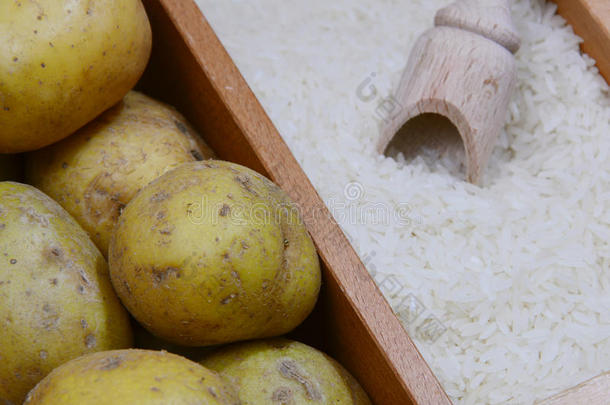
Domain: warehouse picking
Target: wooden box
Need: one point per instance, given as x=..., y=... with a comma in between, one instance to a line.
x=191, y=70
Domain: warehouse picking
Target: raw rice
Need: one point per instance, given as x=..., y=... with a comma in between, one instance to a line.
x=517, y=271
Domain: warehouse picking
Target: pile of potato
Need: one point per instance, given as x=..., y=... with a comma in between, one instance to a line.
x=128, y=223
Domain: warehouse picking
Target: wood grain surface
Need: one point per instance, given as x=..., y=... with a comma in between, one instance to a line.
x=591, y=21
x=191, y=70
x=595, y=391
x=450, y=74
x=466, y=61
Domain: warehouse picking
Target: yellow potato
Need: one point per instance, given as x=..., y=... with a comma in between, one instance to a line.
x=56, y=300
x=95, y=172
x=213, y=252
x=132, y=377
x=62, y=63
x=281, y=371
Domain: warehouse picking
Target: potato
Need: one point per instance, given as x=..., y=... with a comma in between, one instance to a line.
x=212, y=252
x=280, y=371
x=56, y=300
x=62, y=63
x=94, y=173
x=132, y=377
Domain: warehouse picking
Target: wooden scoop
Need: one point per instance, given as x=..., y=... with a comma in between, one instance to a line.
x=462, y=70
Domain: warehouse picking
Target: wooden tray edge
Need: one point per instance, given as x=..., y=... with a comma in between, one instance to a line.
x=590, y=20
x=591, y=392
x=362, y=295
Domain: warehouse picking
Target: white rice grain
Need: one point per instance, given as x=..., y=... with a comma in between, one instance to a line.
x=518, y=270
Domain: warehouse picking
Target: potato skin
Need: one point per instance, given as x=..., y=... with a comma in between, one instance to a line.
x=62, y=63
x=205, y=255
x=56, y=300
x=94, y=173
x=132, y=377
x=282, y=371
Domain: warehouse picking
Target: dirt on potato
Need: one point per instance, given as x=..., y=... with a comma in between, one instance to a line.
x=64, y=63
x=212, y=252
x=282, y=371
x=132, y=377
x=95, y=172
x=56, y=300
